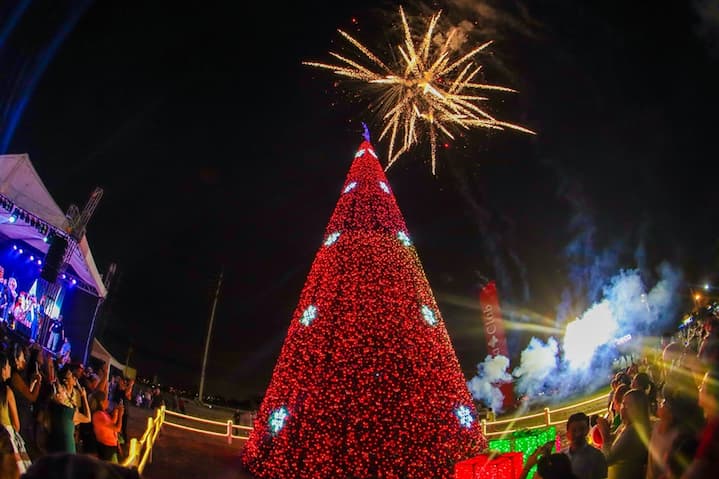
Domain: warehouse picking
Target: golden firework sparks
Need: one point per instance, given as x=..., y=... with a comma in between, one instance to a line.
x=428, y=90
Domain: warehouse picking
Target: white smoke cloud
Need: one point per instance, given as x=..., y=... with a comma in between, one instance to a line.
x=490, y=374
x=459, y=37
x=589, y=345
x=538, y=361
x=582, y=337
x=492, y=18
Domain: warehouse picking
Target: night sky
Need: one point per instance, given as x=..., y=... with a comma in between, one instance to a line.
x=217, y=149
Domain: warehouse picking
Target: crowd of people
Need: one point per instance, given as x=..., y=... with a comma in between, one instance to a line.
x=51, y=405
x=661, y=422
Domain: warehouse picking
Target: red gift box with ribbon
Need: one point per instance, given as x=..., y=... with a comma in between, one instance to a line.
x=486, y=466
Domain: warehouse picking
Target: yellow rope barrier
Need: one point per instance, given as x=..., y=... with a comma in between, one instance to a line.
x=141, y=451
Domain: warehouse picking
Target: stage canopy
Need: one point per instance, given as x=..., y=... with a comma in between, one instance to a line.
x=100, y=352
x=21, y=185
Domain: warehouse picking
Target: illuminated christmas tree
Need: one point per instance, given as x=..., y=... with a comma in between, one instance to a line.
x=367, y=384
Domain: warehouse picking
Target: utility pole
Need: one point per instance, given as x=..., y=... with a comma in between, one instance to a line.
x=209, y=334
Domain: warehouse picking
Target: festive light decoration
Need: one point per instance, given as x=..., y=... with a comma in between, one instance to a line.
x=308, y=315
x=373, y=387
x=332, y=238
x=384, y=186
x=277, y=419
x=465, y=416
x=349, y=187
x=402, y=236
x=526, y=442
x=428, y=315
x=488, y=466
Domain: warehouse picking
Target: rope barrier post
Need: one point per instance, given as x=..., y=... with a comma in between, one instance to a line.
x=229, y=431
x=159, y=419
x=547, y=417
x=132, y=455
x=484, y=426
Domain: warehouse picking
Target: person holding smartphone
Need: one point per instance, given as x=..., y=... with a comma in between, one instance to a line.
x=106, y=426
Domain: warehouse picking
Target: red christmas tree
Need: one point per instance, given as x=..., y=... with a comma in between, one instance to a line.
x=367, y=384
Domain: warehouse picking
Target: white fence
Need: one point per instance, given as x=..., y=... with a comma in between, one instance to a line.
x=228, y=425
x=595, y=405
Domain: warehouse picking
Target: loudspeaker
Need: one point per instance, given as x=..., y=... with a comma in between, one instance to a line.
x=54, y=258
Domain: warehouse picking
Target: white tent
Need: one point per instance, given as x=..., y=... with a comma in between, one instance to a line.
x=20, y=183
x=98, y=351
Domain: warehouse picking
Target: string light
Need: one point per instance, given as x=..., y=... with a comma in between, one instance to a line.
x=349, y=187
x=277, y=419
x=308, y=315
x=428, y=315
x=464, y=415
x=402, y=236
x=332, y=238
x=367, y=383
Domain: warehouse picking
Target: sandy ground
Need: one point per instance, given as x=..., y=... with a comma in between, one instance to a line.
x=180, y=454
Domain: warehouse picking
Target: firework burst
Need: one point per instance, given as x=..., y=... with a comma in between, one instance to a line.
x=428, y=91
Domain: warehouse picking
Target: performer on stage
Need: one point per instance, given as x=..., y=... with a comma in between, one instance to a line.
x=12, y=295
x=19, y=312
x=57, y=333
x=33, y=316
x=10, y=298
x=3, y=294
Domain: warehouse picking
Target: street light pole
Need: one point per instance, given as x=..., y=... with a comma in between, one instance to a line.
x=209, y=334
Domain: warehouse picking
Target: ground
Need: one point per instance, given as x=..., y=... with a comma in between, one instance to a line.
x=187, y=455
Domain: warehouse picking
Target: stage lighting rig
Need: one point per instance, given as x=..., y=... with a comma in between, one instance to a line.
x=79, y=219
x=6, y=203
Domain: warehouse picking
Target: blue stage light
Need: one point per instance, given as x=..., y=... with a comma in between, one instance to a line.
x=14, y=247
